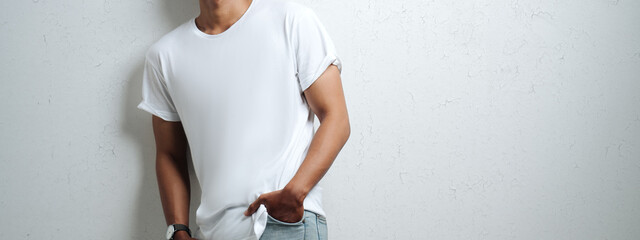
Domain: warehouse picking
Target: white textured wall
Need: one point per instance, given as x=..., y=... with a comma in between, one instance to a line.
x=470, y=119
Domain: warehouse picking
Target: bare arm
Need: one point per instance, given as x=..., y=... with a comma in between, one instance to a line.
x=326, y=99
x=172, y=171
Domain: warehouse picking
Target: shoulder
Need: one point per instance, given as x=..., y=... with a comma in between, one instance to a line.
x=290, y=8
x=160, y=48
x=293, y=6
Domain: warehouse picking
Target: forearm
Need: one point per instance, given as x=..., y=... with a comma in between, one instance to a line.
x=332, y=134
x=175, y=190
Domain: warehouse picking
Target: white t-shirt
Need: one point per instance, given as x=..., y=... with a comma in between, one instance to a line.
x=239, y=96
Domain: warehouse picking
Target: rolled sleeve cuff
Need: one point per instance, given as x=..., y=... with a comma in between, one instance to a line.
x=165, y=115
x=326, y=62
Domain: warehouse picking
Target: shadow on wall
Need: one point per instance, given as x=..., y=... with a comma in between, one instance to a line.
x=148, y=218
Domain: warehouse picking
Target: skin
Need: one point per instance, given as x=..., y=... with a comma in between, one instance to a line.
x=325, y=98
x=172, y=172
x=216, y=16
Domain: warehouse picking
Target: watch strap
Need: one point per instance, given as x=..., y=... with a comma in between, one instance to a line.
x=181, y=227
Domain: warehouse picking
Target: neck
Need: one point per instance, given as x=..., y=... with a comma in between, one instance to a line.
x=216, y=16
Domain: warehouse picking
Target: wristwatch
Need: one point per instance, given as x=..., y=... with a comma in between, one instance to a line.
x=173, y=228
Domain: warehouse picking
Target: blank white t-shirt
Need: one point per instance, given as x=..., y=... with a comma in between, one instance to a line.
x=239, y=96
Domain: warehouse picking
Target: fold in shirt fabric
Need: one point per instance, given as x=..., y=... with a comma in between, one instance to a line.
x=239, y=96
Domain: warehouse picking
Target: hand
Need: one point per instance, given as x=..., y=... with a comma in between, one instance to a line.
x=283, y=205
x=182, y=235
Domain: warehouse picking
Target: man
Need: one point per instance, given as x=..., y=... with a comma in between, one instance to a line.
x=237, y=87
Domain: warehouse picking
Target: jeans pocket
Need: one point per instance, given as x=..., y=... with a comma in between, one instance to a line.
x=274, y=220
x=279, y=230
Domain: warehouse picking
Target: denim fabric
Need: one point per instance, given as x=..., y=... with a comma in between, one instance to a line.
x=311, y=227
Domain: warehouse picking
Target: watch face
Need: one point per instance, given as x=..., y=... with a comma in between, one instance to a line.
x=170, y=230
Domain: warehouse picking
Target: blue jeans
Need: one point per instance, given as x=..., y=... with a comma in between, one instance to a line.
x=312, y=227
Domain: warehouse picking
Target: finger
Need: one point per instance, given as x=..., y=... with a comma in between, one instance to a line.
x=254, y=206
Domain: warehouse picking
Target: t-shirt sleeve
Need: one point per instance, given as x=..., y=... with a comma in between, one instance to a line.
x=314, y=49
x=155, y=95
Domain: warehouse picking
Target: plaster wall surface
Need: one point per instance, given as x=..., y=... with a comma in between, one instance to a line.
x=498, y=119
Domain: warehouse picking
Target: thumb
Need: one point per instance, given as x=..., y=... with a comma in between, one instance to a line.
x=254, y=206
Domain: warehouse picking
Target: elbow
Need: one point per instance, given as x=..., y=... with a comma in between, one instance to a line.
x=338, y=121
x=346, y=127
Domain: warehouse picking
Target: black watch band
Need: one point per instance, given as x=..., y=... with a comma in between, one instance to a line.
x=181, y=227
